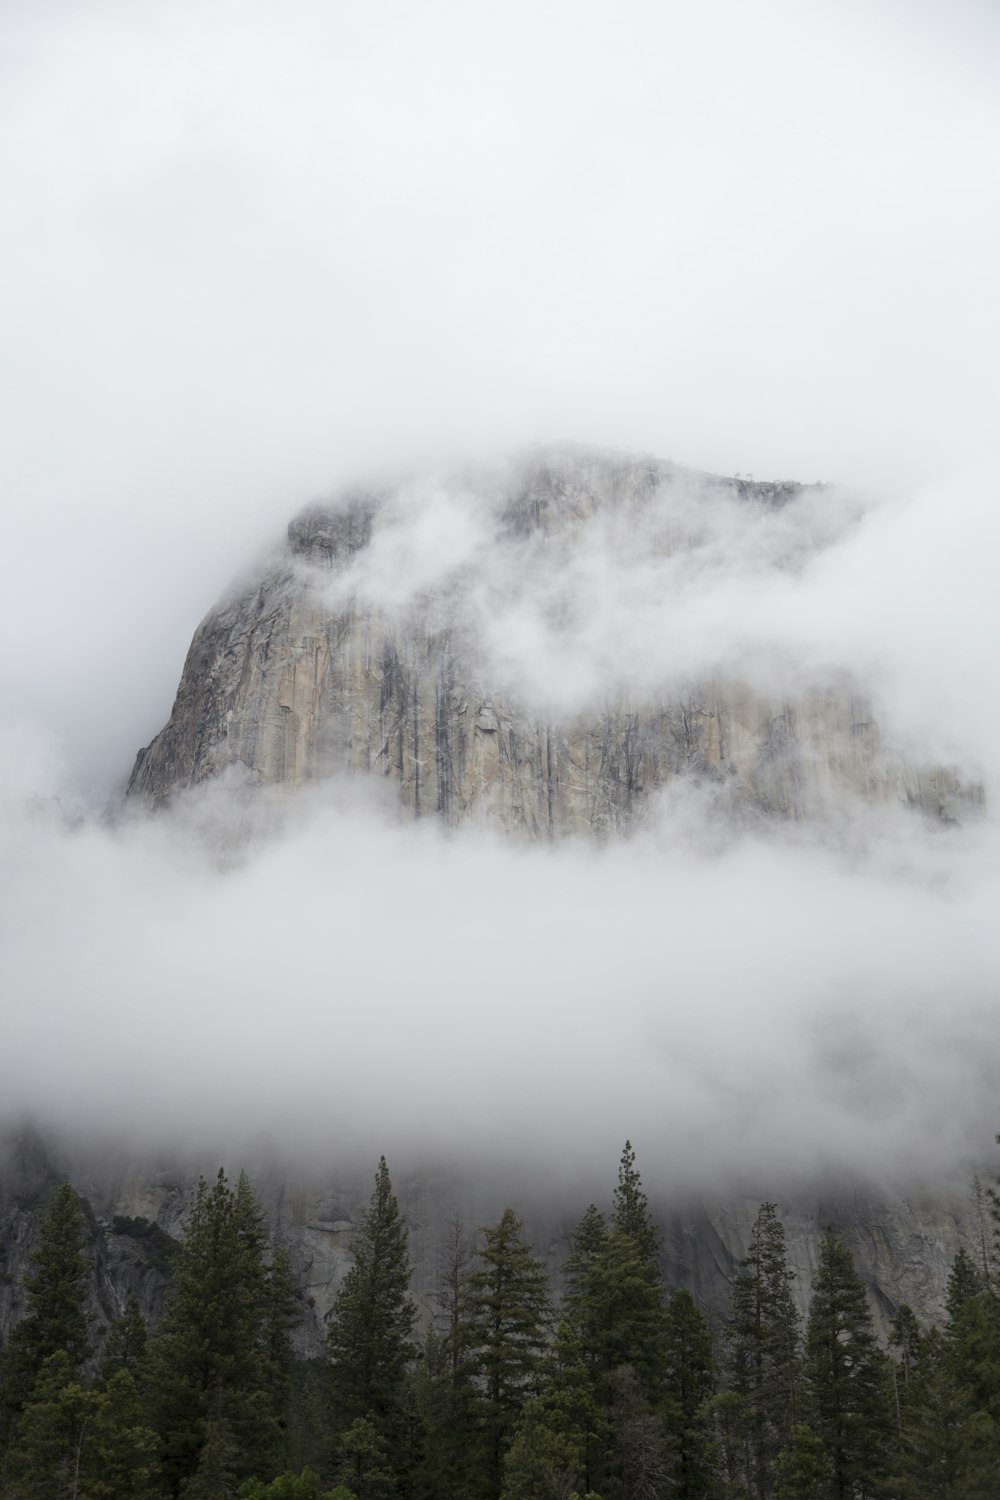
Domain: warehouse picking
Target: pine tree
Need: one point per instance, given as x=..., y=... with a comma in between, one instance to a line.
x=47, y=1454
x=763, y=1349
x=121, y=1449
x=365, y=1465
x=581, y=1308
x=56, y=1321
x=688, y=1389
x=216, y=1476
x=640, y=1440
x=559, y=1431
x=614, y=1290
x=965, y=1280
x=368, y=1337
x=207, y=1360
x=126, y=1343
x=508, y=1316
x=444, y=1388
x=802, y=1468
x=846, y=1377
x=630, y=1215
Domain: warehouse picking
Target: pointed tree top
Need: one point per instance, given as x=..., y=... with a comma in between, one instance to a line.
x=630, y=1214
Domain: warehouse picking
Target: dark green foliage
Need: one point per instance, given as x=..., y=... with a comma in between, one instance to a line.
x=763, y=1354
x=56, y=1320
x=157, y=1247
x=56, y=1286
x=444, y=1387
x=368, y=1337
x=303, y=1486
x=281, y=1313
x=71, y=1439
x=614, y=1305
x=560, y=1431
x=620, y=1405
x=630, y=1214
x=946, y=1450
x=364, y=1464
x=688, y=1387
x=625, y=1317
x=216, y=1475
x=446, y=1398
x=974, y=1336
x=126, y=1343
x=802, y=1468
x=964, y=1281
x=46, y=1458
x=614, y=1296
x=309, y=1424
x=507, y=1318
x=121, y=1449
x=212, y=1357
x=848, y=1399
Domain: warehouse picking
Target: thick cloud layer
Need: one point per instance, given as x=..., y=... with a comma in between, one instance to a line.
x=761, y=1012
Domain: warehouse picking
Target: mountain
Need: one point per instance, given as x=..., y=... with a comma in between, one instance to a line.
x=512, y=686
x=526, y=648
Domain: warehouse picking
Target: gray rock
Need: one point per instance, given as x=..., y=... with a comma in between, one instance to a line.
x=286, y=683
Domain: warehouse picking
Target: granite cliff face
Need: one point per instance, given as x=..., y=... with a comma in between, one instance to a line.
x=308, y=671
x=361, y=649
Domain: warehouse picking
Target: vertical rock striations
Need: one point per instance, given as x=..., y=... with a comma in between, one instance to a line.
x=312, y=671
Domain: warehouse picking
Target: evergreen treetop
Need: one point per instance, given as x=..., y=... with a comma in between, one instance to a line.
x=848, y=1394
x=630, y=1214
x=368, y=1337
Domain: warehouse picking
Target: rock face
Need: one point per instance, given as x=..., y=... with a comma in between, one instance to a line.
x=308, y=672
x=357, y=652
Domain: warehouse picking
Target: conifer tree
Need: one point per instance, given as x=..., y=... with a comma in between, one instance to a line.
x=802, y=1468
x=208, y=1361
x=444, y=1388
x=688, y=1389
x=581, y=1308
x=121, y=1458
x=126, y=1343
x=630, y=1215
x=216, y=1476
x=281, y=1313
x=614, y=1290
x=508, y=1316
x=937, y=1454
x=763, y=1358
x=368, y=1338
x=846, y=1378
x=56, y=1321
x=965, y=1280
x=47, y=1454
x=365, y=1466
x=56, y=1287
x=560, y=1431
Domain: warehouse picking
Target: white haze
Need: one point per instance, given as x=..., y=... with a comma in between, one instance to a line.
x=762, y=1012
x=252, y=252
x=761, y=1008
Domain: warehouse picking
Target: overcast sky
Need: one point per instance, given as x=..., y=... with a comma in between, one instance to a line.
x=253, y=250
